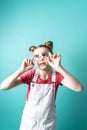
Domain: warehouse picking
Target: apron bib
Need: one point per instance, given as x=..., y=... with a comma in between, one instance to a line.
x=39, y=111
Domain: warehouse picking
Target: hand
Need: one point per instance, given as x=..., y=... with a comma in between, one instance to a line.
x=54, y=60
x=27, y=64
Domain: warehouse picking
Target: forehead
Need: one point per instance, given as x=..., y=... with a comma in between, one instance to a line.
x=40, y=50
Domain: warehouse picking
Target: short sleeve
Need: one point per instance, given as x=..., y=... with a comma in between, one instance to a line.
x=59, y=78
x=27, y=77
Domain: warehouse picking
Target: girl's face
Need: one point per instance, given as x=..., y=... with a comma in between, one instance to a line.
x=40, y=55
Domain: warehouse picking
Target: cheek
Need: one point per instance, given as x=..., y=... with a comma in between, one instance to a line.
x=37, y=63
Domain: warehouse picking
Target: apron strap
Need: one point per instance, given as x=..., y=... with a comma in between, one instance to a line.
x=36, y=75
x=54, y=77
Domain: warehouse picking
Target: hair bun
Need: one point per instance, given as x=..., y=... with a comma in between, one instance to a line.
x=49, y=44
x=32, y=48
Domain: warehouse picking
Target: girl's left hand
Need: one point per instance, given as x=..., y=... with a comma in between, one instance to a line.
x=54, y=60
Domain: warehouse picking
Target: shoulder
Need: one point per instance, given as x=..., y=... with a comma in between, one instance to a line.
x=27, y=76
x=59, y=77
x=29, y=73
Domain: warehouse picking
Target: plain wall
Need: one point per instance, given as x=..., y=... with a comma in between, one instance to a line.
x=32, y=22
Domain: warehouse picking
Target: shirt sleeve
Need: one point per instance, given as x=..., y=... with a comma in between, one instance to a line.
x=59, y=78
x=27, y=77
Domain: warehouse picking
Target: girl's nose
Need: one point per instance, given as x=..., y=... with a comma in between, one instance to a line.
x=41, y=57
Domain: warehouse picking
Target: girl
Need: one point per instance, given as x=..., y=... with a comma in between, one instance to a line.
x=39, y=112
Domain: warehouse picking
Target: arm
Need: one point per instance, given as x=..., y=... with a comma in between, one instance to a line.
x=11, y=81
x=14, y=79
x=69, y=80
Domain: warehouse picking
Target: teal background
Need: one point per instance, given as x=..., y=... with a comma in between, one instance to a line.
x=32, y=22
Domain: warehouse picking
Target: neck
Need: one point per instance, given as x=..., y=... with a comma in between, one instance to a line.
x=44, y=74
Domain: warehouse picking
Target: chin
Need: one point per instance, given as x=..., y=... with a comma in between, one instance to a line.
x=42, y=67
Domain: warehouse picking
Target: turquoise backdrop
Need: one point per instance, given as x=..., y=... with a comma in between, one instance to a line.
x=32, y=22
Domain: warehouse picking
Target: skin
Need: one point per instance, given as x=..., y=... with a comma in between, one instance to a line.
x=45, y=65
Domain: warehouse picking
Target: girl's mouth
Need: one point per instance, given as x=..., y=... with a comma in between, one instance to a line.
x=42, y=64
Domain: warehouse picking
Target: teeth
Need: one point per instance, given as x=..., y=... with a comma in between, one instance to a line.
x=42, y=64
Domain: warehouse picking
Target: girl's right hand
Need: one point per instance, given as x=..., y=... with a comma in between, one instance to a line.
x=27, y=64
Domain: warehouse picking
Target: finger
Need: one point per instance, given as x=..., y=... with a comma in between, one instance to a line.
x=49, y=59
x=55, y=56
x=33, y=58
x=59, y=55
x=49, y=54
x=27, y=62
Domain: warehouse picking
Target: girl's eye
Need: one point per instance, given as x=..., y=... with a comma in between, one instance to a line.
x=44, y=54
x=36, y=56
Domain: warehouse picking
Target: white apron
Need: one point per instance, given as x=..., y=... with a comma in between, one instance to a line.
x=39, y=112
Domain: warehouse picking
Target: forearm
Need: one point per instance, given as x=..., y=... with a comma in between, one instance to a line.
x=69, y=80
x=9, y=82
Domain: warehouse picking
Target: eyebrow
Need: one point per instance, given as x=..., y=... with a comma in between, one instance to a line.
x=36, y=55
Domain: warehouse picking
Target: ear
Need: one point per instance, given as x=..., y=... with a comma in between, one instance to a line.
x=32, y=48
x=49, y=44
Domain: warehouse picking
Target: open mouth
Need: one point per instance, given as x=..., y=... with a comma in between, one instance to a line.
x=42, y=64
